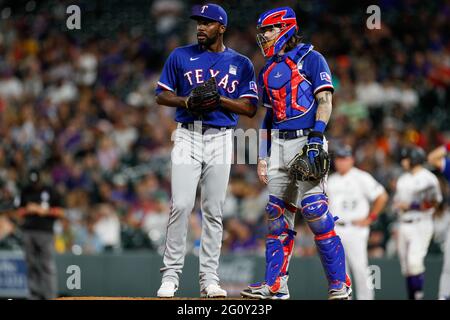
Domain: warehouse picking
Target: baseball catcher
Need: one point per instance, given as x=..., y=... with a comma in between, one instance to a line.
x=204, y=99
x=296, y=87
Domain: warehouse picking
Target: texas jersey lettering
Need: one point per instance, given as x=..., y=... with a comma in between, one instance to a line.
x=189, y=66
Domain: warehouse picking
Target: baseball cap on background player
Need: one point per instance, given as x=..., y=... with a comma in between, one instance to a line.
x=415, y=154
x=343, y=152
x=210, y=11
x=33, y=176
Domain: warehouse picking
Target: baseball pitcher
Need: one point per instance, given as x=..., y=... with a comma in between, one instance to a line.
x=297, y=89
x=209, y=84
x=441, y=160
x=357, y=199
x=417, y=196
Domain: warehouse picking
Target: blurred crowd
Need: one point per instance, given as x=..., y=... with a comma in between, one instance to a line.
x=78, y=105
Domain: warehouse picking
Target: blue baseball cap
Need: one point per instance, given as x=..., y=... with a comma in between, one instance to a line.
x=343, y=151
x=210, y=11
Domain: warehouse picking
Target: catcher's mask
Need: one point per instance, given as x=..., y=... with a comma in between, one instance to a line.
x=286, y=23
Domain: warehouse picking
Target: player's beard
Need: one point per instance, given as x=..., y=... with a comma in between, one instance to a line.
x=208, y=41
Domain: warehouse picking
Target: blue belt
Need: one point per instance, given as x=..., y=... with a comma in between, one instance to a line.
x=292, y=134
x=192, y=127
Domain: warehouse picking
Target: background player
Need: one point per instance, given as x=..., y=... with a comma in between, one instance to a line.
x=357, y=199
x=297, y=92
x=40, y=208
x=202, y=156
x=440, y=159
x=417, y=196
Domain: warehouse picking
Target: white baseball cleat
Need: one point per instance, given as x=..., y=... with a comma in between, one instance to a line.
x=213, y=291
x=167, y=290
x=340, y=292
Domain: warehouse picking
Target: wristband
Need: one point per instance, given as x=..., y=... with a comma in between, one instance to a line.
x=320, y=126
x=447, y=147
x=373, y=216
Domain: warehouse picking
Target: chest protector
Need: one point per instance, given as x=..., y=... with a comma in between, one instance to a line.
x=290, y=93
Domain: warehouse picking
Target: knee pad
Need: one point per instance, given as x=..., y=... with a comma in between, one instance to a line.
x=315, y=211
x=275, y=210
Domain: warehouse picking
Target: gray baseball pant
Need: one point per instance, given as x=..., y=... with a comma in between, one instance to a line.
x=205, y=159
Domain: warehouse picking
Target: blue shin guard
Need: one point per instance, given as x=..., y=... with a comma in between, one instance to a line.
x=329, y=246
x=279, y=242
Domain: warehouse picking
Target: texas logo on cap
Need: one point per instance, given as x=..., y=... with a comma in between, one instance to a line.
x=210, y=11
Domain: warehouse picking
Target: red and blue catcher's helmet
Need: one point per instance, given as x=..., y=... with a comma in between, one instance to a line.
x=283, y=18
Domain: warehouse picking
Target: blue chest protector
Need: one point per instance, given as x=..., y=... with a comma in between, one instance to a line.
x=289, y=92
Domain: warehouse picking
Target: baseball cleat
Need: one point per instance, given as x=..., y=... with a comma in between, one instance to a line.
x=339, y=291
x=167, y=290
x=262, y=291
x=213, y=291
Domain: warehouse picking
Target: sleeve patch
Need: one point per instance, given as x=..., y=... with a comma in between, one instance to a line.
x=324, y=76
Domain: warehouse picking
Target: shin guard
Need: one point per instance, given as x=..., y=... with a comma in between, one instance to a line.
x=329, y=245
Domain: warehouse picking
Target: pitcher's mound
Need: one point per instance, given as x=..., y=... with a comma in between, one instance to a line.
x=142, y=298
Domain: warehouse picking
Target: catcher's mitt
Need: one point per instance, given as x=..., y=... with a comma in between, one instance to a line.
x=301, y=168
x=204, y=99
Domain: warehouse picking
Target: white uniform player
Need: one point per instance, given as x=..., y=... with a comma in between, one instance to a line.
x=417, y=195
x=444, y=282
x=441, y=160
x=357, y=199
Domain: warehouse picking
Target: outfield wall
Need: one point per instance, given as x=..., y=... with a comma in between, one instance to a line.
x=137, y=275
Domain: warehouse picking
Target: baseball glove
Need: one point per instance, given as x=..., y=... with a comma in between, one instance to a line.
x=301, y=168
x=204, y=99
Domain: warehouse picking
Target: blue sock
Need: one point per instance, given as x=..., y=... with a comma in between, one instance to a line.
x=415, y=286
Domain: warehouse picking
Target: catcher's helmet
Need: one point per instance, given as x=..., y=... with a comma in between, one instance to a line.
x=285, y=19
x=416, y=155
